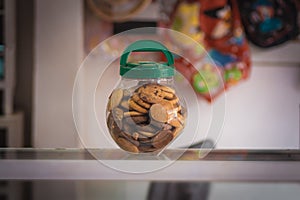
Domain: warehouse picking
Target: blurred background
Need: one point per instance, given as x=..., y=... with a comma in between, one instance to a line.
x=44, y=42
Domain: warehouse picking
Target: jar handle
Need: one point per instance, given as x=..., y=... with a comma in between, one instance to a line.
x=146, y=46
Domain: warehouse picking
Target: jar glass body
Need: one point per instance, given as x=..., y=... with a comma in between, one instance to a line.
x=145, y=115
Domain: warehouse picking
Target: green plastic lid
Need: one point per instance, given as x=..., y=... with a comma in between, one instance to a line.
x=146, y=69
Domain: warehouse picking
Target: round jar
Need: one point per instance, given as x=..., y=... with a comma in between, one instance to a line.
x=145, y=112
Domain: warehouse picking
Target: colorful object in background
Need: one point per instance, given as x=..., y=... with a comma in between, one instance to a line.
x=265, y=11
x=183, y=16
x=224, y=36
x=269, y=22
x=233, y=75
x=206, y=80
x=219, y=30
x=186, y=20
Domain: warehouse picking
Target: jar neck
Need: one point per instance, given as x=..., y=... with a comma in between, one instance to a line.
x=164, y=81
x=129, y=82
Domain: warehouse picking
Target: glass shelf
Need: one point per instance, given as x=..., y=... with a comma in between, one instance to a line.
x=168, y=154
x=193, y=164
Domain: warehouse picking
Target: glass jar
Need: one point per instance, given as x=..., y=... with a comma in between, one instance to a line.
x=145, y=112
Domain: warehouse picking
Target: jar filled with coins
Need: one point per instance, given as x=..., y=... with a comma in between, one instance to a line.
x=145, y=113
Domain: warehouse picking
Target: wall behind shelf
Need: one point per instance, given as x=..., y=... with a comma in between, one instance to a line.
x=58, y=54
